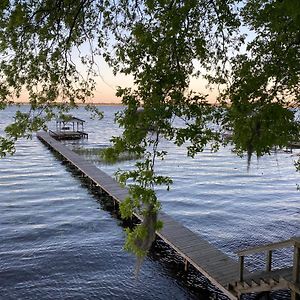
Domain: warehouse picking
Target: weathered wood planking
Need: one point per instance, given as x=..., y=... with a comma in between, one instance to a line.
x=271, y=280
x=211, y=262
x=221, y=270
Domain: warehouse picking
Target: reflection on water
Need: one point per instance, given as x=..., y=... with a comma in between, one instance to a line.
x=96, y=154
x=59, y=240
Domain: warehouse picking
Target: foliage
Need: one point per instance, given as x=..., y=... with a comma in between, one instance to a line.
x=249, y=49
x=65, y=117
x=96, y=114
x=259, y=127
x=266, y=78
x=7, y=146
x=159, y=51
x=38, y=42
x=23, y=126
x=297, y=165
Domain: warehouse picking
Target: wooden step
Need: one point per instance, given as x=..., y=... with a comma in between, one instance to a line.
x=263, y=281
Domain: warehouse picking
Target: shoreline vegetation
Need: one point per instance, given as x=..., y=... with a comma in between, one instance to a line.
x=80, y=104
x=216, y=104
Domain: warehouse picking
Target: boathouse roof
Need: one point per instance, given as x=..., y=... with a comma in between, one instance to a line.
x=69, y=119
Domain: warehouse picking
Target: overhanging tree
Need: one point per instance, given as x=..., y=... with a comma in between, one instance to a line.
x=158, y=42
x=265, y=79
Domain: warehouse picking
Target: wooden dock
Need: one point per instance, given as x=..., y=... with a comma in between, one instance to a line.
x=226, y=274
x=68, y=135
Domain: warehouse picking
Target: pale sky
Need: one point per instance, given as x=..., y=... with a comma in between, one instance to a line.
x=107, y=83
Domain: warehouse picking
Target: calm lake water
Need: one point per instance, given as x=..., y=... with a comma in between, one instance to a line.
x=59, y=240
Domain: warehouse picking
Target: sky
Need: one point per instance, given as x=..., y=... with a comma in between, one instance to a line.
x=107, y=83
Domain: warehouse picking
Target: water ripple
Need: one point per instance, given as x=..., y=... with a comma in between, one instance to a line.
x=56, y=242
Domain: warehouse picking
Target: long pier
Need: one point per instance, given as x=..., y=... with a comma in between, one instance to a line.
x=226, y=274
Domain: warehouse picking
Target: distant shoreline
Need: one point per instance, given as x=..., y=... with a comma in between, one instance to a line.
x=79, y=104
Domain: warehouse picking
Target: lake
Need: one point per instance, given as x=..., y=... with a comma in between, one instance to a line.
x=59, y=240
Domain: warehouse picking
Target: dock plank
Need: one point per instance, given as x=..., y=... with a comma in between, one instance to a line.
x=211, y=262
x=175, y=234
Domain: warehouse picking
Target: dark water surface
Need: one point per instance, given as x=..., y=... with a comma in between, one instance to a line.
x=58, y=240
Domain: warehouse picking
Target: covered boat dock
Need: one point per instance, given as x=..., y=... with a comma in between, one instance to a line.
x=69, y=127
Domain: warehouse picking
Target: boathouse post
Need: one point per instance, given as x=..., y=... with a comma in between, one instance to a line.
x=296, y=263
x=269, y=261
x=296, y=269
x=186, y=264
x=241, y=267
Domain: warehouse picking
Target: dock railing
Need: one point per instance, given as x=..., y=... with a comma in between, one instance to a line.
x=84, y=134
x=268, y=249
x=53, y=133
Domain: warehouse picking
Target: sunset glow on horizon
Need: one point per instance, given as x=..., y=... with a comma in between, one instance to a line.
x=107, y=84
